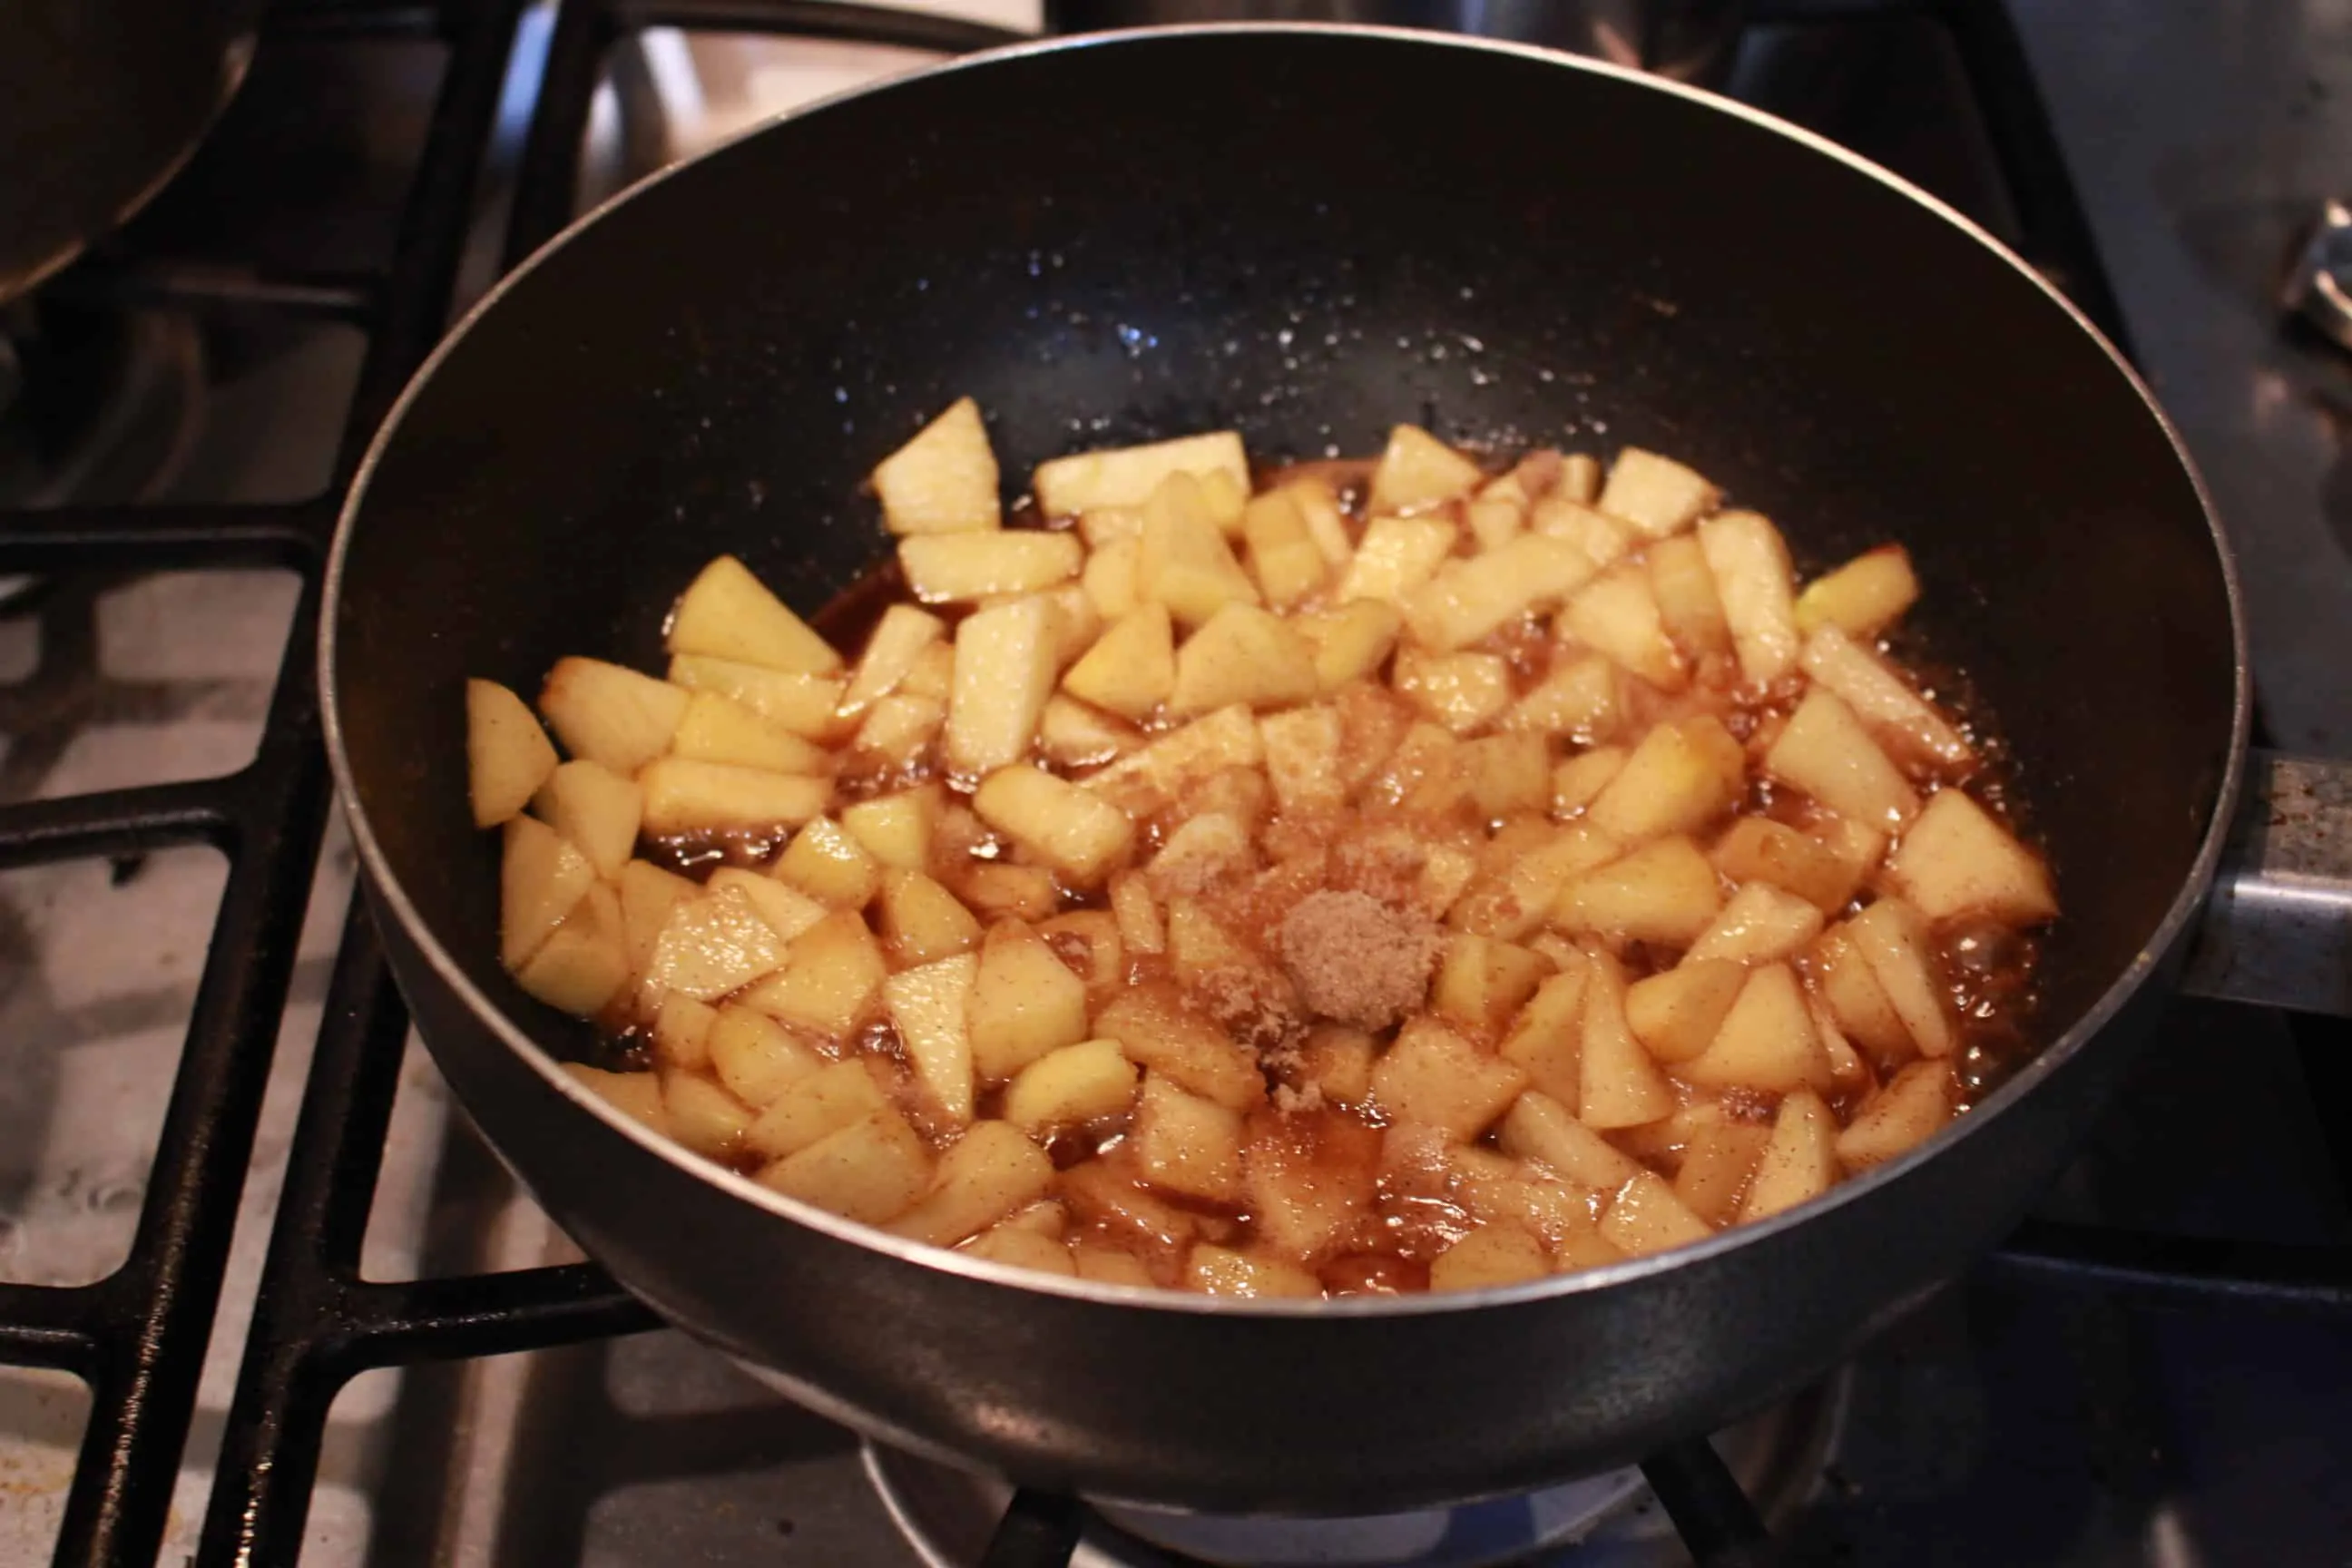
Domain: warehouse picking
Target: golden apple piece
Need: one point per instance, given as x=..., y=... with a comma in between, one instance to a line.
x=964, y=568
x=1716, y=1169
x=1495, y=520
x=1468, y=599
x=1070, y=734
x=1900, y=1117
x=1857, y=1004
x=1337, y=1061
x=1312, y=1177
x=1849, y=1074
x=1577, y=783
x=1302, y=758
x=1110, y=577
x=636, y=1095
x=683, y=798
x=1481, y=981
x=716, y=729
x=998, y=890
x=1663, y=892
x=871, y=1170
x=681, y=1033
x=831, y=978
x=1187, y=1145
x=926, y=1006
x=609, y=714
x=1283, y=557
x=1496, y=1253
x=584, y=962
x=1128, y=475
x=1579, y=478
x=1108, y=1265
x=1655, y=494
x=829, y=865
x=805, y=704
x=648, y=893
x=1243, y=654
x=712, y=943
x=703, y=1116
x=1215, y=1270
x=758, y=1059
x=1825, y=750
x=1956, y=860
x=1761, y=924
x=1688, y=605
x=1087, y=940
x=1025, y=1003
x=1090, y=1081
x=1396, y=555
x=1326, y=525
x=1417, y=470
x=897, y=641
x=783, y=910
x=1510, y=774
x=1677, y=1012
x=1893, y=939
x=1679, y=779
x=1585, y=1249
x=1021, y=1249
x=1433, y=1076
x=727, y=613
x=1863, y=597
x=1207, y=849
x=1141, y=926
x=507, y=755
x=542, y=877
x=1647, y=1216
x=811, y=1105
x=932, y=674
x=1546, y=1040
x=1750, y=563
x=894, y=829
x=1157, y=1031
x=1619, y=1085
x=1884, y=700
x=1798, y=1162
x=1131, y=668
x=944, y=481
x=921, y=921
x=1463, y=691
x=1003, y=673
x=1352, y=641
x=1617, y=614
x=1071, y=828
x=1582, y=699
x=1758, y=849
x=1600, y=539
x=1540, y=1128
x=598, y=810
x=1766, y=1043
x=1183, y=559
x=1104, y=526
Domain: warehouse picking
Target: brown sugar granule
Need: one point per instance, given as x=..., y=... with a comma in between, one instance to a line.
x=1356, y=960
x=1257, y=1006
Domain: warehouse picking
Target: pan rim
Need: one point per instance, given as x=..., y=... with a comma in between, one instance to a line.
x=386, y=890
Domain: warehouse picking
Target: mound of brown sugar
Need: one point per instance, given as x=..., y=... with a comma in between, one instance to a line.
x=1356, y=960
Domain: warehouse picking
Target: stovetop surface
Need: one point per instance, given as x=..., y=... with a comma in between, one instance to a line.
x=2002, y=1423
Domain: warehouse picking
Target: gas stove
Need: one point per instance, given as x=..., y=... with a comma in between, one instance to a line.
x=263, y=1297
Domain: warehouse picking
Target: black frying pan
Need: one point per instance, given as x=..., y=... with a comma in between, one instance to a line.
x=1309, y=233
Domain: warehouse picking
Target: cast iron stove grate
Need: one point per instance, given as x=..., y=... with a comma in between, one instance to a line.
x=137, y=1337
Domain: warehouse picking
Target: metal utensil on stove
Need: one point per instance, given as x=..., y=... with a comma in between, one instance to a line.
x=1307, y=233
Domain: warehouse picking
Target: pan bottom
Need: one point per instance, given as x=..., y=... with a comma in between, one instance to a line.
x=1606, y=1520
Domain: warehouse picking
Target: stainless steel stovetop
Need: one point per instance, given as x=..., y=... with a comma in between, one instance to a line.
x=2003, y=1423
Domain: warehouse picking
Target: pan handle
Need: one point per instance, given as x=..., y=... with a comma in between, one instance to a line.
x=2277, y=931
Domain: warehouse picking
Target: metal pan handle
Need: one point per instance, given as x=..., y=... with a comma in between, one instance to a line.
x=2277, y=931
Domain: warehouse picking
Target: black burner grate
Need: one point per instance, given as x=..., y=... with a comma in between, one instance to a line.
x=138, y=1337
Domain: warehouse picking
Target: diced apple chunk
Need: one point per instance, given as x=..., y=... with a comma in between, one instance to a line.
x=1577, y=783
x=681, y=1035
x=685, y=798
x=1025, y=1003
x=1495, y=520
x=1186, y=1145
x=1758, y=849
x=1496, y=1253
x=1893, y=939
x=926, y=1006
x=716, y=729
x=1109, y=578
x=1131, y=668
x=964, y=568
x=541, y=878
x=1003, y=1242
x=1468, y=599
x=1418, y=471
x=1547, y=1039
x=1540, y=1128
x=1750, y=564
x=1302, y=758
x=1183, y=559
x=1883, y=700
x=1688, y=605
x=1396, y=555
x=1090, y=1081
x=1583, y=699
x=1767, y=1043
x=1799, y=1161
x=1647, y=1216
x=758, y=1059
x=1463, y=691
x=1656, y=494
x=1619, y=1085
x=727, y=613
x=1156, y=1030
x=1243, y=654
x=598, y=810
x=1761, y=924
x=1070, y=734
x=1899, y=1117
x=824, y=861
x=1863, y=597
x=1433, y=1076
x=703, y=1116
x=636, y=1095
x=1663, y=892
x=783, y=910
x=921, y=921
x=1481, y=981
x=945, y=479
x=832, y=975
x=1003, y=673
x=1283, y=555
x=1715, y=1168
x=1677, y=1012
x=1127, y=476
x=507, y=755
x=1617, y=614
x=897, y=641
x=986, y=1174
x=1220, y=1271
x=1856, y=1002
x=870, y=1171
x=805, y=704
x=1601, y=539
x=894, y=829
x=583, y=963
x=1825, y=750
x=1956, y=860
x=1680, y=778
x=609, y=714
x=1510, y=774
x=1076, y=832
x=1352, y=641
